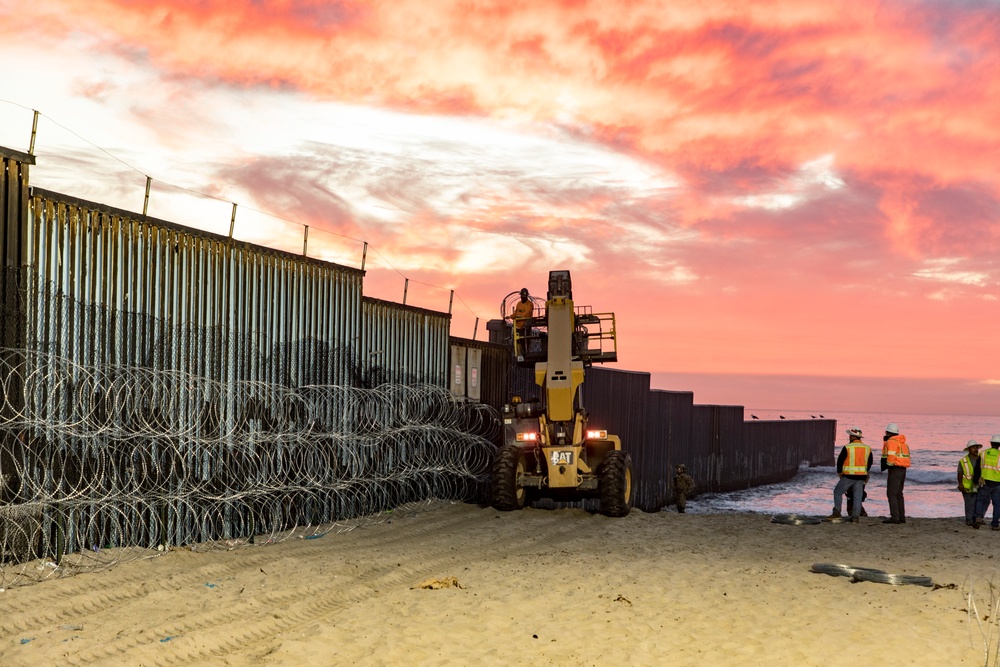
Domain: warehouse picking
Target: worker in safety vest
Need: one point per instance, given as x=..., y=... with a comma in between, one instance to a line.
x=987, y=470
x=523, y=310
x=969, y=488
x=895, y=460
x=853, y=464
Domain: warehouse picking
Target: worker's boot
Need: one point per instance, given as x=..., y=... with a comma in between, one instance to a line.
x=835, y=514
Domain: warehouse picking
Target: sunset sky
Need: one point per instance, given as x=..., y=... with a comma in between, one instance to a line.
x=761, y=192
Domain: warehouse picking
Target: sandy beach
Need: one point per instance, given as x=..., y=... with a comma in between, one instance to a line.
x=543, y=587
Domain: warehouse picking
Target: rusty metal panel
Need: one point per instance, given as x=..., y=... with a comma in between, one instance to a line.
x=668, y=443
x=616, y=400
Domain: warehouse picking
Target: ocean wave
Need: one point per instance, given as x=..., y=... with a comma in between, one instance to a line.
x=931, y=477
x=913, y=475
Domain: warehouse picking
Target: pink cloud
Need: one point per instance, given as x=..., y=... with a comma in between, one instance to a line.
x=829, y=171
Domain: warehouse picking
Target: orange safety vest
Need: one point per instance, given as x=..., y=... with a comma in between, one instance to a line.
x=523, y=310
x=966, y=466
x=896, y=452
x=990, y=464
x=856, y=462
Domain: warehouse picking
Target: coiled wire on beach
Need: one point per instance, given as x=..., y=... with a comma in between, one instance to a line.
x=857, y=574
x=100, y=464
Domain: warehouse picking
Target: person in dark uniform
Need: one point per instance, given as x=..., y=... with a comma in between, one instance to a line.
x=683, y=487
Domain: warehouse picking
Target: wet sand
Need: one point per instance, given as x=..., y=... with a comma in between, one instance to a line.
x=543, y=587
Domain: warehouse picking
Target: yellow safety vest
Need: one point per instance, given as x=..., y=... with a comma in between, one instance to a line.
x=967, y=466
x=856, y=462
x=990, y=464
x=896, y=452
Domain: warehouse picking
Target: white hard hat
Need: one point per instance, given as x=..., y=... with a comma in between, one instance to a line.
x=995, y=438
x=892, y=428
x=856, y=432
x=971, y=443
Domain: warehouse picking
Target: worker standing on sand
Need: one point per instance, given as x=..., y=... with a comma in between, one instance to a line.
x=683, y=487
x=853, y=464
x=895, y=459
x=987, y=471
x=966, y=470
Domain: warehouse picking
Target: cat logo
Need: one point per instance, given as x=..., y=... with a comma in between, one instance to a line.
x=561, y=457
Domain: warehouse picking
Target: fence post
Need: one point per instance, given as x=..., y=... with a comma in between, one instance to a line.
x=406, y=286
x=305, y=241
x=232, y=222
x=34, y=131
x=145, y=201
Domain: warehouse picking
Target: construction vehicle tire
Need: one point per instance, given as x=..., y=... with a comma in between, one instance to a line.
x=507, y=465
x=616, y=484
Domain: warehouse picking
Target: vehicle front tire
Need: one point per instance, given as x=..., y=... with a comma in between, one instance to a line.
x=507, y=465
x=616, y=484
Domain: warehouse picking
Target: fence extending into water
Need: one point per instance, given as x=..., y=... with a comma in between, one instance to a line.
x=661, y=429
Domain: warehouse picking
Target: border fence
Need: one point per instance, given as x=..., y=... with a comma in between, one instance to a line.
x=167, y=386
x=163, y=385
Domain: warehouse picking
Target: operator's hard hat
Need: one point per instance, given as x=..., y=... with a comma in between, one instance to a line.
x=971, y=444
x=892, y=428
x=682, y=467
x=524, y=291
x=856, y=432
x=995, y=439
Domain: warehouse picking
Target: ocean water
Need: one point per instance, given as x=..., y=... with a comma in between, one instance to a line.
x=936, y=444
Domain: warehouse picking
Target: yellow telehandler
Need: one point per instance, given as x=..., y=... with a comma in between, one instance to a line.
x=548, y=450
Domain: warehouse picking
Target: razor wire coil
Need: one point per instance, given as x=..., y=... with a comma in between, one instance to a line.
x=97, y=461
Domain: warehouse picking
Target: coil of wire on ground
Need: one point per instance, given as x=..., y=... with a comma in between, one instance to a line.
x=857, y=574
x=796, y=519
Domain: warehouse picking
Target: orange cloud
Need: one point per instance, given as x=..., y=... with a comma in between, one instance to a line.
x=744, y=182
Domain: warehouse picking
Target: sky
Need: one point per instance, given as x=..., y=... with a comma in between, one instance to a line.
x=794, y=199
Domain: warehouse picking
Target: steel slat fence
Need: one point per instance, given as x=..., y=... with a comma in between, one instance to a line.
x=164, y=385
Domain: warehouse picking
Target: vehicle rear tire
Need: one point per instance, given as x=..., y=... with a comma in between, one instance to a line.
x=507, y=465
x=616, y=484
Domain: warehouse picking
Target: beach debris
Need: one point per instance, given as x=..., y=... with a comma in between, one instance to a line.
x=796, y=519
x=857, y=574
x=71, y=627
x=209, y=585
x=432, y=583
x=623, y=599
x=28, y=639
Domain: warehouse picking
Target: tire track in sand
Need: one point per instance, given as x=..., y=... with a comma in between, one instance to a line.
x=249, y=631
